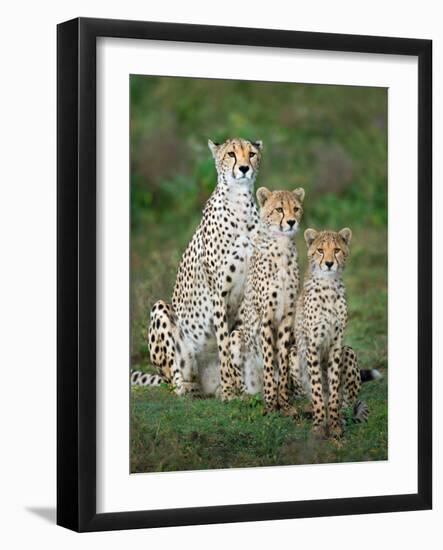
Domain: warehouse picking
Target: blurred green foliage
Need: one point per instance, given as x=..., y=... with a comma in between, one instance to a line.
x=331, y=140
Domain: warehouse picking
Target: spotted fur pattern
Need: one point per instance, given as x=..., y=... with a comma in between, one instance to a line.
x=321, y=320
x=260, y=344
x=193, y=331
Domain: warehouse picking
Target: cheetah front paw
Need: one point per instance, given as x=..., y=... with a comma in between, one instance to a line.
x=227, y=394
x=286, y=409
x=218, y=394
x=291, y=412
x=319, y=431
x=335, y=430
x=189, y=388
x=307, y=410
x=270, y=408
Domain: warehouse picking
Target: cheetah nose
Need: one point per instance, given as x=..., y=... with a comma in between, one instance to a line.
x=329, y=264
x=243, y=169
x=291, y=223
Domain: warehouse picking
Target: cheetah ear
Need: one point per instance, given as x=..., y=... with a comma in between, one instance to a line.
x=310, y=235
x=263, y=195
x=346, y=235
x=299, y=194
x=258, y=143
x=213, y=147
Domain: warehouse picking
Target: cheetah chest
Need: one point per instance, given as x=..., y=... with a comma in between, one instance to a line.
x=283, y=286
x=237, y=269
x=327, y=314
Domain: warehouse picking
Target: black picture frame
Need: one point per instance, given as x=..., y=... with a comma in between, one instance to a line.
x=76, y=268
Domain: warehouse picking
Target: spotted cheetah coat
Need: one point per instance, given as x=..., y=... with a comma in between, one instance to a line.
x=189, y=339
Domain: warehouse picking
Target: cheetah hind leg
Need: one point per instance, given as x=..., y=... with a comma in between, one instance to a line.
x=168, y=350
x=284, y=346
x=295, y=377
x=295, y=373
x=237, y=359
x=352, y=381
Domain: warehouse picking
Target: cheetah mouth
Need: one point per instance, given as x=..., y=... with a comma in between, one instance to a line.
x=328, y=272
x=285, y=232
x=243, y=178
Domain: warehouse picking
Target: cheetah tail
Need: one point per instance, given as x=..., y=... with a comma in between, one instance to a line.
x=367, y=375
x=139, y=378
x=360, y=413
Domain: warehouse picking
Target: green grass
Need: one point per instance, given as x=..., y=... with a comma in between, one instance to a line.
x=170, y=433
x=329, y=139
x=182, y=433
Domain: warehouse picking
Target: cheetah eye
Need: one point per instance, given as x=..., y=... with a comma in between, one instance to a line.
x=336, y=250
x=320, y=250
x=279, y=210
x=296, y=209
x=251, y=154
x=231, y=154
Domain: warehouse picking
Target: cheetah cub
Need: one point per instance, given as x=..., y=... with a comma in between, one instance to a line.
x=321, y=319
x=260, y=344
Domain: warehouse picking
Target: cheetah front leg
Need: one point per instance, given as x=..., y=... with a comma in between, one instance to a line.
x=314, y=370
x=335, y=427
x=267, y=351
x=295, y=374
x=237, y=358
x=227, y=372
x=284, y=340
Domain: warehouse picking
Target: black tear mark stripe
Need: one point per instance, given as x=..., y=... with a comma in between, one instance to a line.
x=282, y=216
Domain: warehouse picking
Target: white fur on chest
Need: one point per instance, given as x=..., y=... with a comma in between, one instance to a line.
x=285, y=276
x=241, y=211
x=330, y=317
x=243, y=247
x=283, y=282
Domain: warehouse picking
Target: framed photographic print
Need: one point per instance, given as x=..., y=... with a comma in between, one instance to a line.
x=244, y=274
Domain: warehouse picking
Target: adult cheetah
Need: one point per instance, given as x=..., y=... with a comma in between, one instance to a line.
x=191, y=335
x=260, y=345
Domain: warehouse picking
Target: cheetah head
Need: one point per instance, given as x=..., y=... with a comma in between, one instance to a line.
x=281, y=211
x=237, y=159
x=327, y=250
